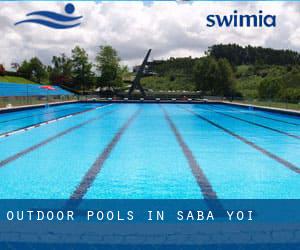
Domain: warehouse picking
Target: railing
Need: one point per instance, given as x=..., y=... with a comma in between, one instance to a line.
x=188, y=96
x=14, y=101
x=287, y=104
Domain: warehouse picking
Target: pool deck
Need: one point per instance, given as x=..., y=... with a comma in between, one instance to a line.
x=19, y=108
x=263, y=108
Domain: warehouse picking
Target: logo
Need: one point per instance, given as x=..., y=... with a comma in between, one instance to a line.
x=54, y=20
x=238, y=20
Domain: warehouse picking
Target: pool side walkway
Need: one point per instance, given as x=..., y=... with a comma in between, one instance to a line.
x=18, y=108
x=264, y=108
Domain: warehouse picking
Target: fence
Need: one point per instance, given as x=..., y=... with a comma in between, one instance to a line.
x=14, y=94
x=287, y=104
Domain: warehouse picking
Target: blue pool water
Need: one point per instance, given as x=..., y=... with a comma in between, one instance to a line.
x=17, y=120
x=149, y=151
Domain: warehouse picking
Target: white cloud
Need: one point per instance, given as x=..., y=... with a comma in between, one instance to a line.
x=169, y=28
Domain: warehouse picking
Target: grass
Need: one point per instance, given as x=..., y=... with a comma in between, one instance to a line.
x=15, y=79
x=248, y=86
x=242, y=70
x=165, y=83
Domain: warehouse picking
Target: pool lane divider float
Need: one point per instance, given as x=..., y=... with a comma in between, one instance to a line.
x=262, y=116
x=50, y=139
x=94, y=170
x=27, y=128
x=273, y=119
x=256, y=124
x=268, y=109
x=35, y=106
x=280, y=160
x=38, y=114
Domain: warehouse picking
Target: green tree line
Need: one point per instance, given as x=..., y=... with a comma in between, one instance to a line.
x=235, y=71
x=226, y=70
x=77, y=71
x=238, y=55
x=209, y=75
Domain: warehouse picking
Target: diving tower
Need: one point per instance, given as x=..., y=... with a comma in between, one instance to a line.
x=136, y=82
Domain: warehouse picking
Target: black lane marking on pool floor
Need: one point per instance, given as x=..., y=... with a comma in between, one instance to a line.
x=203, y=182
x=256, y=124
x=266, y=117
x=36, y=125
x=50, y=139
x=273, y=119
x=283, y=162
x=94, y=170
x=38, y=114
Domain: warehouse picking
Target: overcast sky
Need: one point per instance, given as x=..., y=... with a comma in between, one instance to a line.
x=169, y=28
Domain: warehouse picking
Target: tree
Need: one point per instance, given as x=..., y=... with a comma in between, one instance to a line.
x=61, y=71
x=205, y=73
x=290, y=94
x=2, y=70
x=25, y=69
x=107, y=64
x=214, y=76
x=33, y=70
x=81, y=69
x=224, y=84
x=238, y=55
x=38, y=70
x=270, y=88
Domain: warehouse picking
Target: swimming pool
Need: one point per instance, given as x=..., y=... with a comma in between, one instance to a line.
x=172, y=151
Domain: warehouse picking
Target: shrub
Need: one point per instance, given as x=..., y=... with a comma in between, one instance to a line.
x=172, y=78
x=213, y=76
x=269, y=88
x=290, y=95
x=2, y=70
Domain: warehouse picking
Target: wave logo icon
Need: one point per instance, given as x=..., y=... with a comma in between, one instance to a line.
x=54, y=20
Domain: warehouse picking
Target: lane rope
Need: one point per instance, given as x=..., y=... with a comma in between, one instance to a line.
x=30, y=127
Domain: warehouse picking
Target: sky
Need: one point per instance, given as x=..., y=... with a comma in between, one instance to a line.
x=171, y=29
